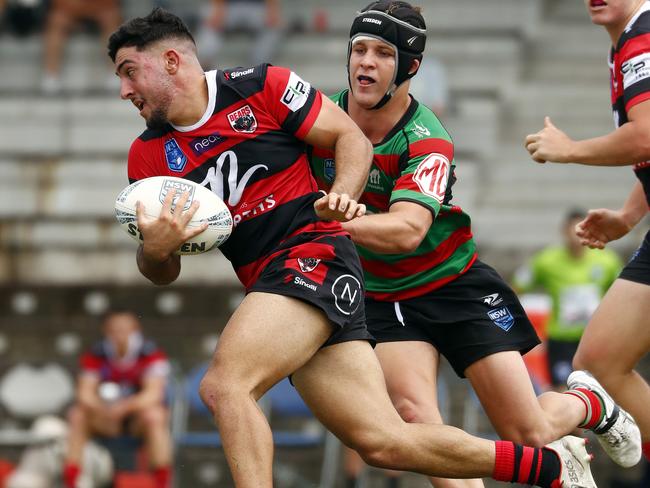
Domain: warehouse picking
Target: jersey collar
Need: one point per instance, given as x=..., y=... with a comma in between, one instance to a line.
x=211, y=80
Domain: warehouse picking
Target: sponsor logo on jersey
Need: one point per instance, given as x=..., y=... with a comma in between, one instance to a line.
x=236, y=184
x=420, y=130
x=243, y=120
x=248, y=210
x=374, y=180
x=203, y=144
x=635, y=69
x=371, y=20
x=329, y=169
x=180, y=187
x=295, y=93
x=299, y=281
x=176, y=160
x=492, y=300
x=502, y=318
x=432, y=175
x=307, y=265
x=347, y=293
x=233, y=75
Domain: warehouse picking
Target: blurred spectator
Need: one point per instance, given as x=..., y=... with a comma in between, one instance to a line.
x=22, y=17
x=41, y=464
x=121, y=390
x=431, y=87
x=575, y=278
x=62, y=17
x=260, y=17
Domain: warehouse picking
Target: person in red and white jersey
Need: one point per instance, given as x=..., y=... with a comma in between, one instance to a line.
x=617, y=336
x=243, y=133
x=121, y=390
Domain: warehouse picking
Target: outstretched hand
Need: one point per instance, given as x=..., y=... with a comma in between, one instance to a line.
x=335, y=206
x=549, y=144
x=600, y=227
x=166, y=233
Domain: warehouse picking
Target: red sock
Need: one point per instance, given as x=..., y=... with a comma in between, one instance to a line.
x=163, y=477
x=593, y=405
x=646, y=450
x=70, y=474
x=528, y=465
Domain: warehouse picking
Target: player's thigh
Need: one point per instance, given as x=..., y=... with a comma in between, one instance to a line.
x=618, y=334
x=410, y=370
x=267, y=338
x=502, y=384
x=344, y=387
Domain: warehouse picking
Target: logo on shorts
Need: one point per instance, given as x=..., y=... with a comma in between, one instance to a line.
x=502, y=318
x=176, y=160
x=347, y=294
x=329, y=169
x=297, y=280
x=307, y=265
x=492, y=300
x=243, y=120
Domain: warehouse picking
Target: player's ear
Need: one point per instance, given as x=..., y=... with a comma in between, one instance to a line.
x=415, y=64
x=172, y=60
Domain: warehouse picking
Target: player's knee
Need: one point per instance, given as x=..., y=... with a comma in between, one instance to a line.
x=377, y=448
x=217, y=390
x=412, y=411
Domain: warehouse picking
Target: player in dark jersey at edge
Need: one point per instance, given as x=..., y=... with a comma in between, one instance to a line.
x=303, y=314
x=426, y=291
x=617, y=336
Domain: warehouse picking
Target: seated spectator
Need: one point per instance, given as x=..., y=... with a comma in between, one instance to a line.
x=62, y=17
x=121, y=390
x=260, y=17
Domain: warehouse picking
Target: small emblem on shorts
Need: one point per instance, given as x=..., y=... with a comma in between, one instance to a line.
x=347, y=294
x=502, y=318
x=492, y=300
x=307, y=265
x=243, y=119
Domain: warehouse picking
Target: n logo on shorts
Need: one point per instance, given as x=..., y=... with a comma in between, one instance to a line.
x=347, y=294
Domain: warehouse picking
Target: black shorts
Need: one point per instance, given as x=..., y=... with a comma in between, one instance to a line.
x=472, y=317
x=560, y=359
x=324, y=272
x=638, y=268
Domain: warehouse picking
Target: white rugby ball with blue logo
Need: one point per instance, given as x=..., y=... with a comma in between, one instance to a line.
x=151, y=192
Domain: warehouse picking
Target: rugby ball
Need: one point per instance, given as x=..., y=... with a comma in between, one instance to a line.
x=152, y=192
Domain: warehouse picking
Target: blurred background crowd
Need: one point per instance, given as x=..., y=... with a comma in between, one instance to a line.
x=492, y=70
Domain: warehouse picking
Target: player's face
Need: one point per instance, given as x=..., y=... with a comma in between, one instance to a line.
x=119, y=328
x=372, y=66
x=144, y=81
x=612, y=12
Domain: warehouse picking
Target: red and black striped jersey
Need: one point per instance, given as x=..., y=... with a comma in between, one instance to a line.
x=143, y=359
x=629, y=64
x=248, y=149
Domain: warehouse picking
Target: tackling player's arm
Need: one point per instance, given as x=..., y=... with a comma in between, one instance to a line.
x=333, y=129
x=628, y=144
x=398, y=231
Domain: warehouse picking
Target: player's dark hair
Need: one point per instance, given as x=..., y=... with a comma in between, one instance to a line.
x=574, y=214
x=144, y=31
x=109, y=314
x=400, y=10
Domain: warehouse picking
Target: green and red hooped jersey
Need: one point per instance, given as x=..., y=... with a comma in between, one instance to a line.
x=415, y=163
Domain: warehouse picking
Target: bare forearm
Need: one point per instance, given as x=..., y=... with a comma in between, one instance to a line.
x=158, y=272
x=384, y=233
x=353, y=155
x=636, y=206
x=143, y=400
x=629, y=144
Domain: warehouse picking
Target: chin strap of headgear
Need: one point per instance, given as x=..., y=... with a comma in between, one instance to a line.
x=407, y=40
